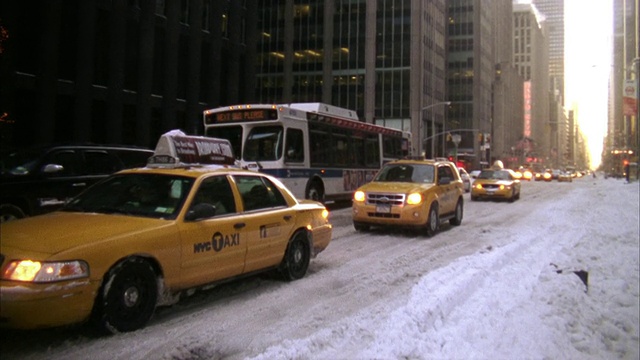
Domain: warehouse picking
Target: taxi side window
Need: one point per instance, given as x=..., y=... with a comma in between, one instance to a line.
x=216, y=191
x=445, y=172
x=259, y=193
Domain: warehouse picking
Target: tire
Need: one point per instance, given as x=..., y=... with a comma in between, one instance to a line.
x=513, y=196
x=316, y=192
x=474, y=198
x=10, y=212
x=433, y=222
x=360, y=226
x=457, y=219
x=127, y=297
x=297, y=257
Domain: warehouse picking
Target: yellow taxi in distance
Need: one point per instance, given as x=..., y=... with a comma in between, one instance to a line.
x=411, y=193
x=496, y=183
x=142, y=237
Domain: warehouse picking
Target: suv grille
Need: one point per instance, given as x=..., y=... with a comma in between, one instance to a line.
x=391, y=199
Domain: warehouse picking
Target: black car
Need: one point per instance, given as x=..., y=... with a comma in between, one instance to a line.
x=40, y=180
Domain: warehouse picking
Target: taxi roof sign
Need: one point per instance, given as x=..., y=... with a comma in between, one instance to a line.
x=175, y=148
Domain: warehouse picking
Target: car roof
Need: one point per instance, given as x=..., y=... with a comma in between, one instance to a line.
x=420, y=161
x=193, y=171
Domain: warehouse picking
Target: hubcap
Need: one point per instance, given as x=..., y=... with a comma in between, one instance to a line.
x=131, y=296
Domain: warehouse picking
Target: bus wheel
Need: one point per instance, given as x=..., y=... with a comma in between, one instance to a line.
x=316, y=192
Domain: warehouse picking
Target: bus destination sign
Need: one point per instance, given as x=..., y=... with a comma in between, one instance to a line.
x=241, y=115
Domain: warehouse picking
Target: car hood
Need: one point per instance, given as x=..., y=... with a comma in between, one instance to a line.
x=46, y=235
x=395, y=187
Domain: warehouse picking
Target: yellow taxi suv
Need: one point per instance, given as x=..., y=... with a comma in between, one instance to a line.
x=142, y=237
x=410, y=193
x=496, y=183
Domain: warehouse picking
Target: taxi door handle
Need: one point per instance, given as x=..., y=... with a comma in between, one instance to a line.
x=287, y=217
x=239, y=225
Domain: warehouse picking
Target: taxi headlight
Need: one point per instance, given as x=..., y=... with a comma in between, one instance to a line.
x=414, y=199
x=325, y=214
x=41, y=272
x=358, y=196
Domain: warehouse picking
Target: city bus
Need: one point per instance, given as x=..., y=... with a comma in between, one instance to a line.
x=318, y=151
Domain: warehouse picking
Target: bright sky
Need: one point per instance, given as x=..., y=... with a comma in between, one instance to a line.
x=588, y=53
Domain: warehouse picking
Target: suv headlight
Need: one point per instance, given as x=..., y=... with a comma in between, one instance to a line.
x=358, y=196
x=43, y=272
x=414, y=199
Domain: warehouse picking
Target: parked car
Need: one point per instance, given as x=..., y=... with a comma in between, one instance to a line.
x=39, y=180
x=410, y=193
x=141, y=237
x=496, y=184
x=473, y=175
x=466, y=179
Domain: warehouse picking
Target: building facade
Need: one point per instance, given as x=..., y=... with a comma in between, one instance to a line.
x=384, y=59
x=531, y=59
x=622, y=143
x=121, y=71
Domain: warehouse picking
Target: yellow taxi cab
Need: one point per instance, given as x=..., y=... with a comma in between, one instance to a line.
x=410, y=193
x=496, y=183
x=142, y=237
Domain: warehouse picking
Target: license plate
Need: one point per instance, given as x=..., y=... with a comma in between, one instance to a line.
x=383, y=208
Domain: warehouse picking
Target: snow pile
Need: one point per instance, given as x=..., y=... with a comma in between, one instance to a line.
x=522, y=300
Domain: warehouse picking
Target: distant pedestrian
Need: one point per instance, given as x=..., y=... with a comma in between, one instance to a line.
x=626, y=172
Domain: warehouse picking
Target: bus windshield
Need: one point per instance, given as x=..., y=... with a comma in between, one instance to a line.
x=233, y=133
x=264, y=143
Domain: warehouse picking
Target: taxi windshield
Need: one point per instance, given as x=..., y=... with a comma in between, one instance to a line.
x=415, y=173
x=494, y=174
x=147, y=195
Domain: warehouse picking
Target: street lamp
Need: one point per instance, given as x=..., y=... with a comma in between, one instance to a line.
x=433, y=123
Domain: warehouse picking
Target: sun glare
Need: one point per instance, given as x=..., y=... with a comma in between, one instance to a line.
x=588, y=53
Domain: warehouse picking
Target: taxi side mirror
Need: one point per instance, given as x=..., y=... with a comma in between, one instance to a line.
x=200, y=211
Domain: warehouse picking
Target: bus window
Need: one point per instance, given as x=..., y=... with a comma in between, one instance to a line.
x=356, y=153
x=263, y=143
x=320, y=148
x=372, y=152
x=341, y=150
x=294, y=145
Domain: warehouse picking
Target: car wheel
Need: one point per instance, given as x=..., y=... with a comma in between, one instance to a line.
x=513, y=196
x=474, y=198
x=457, y=219
x=360, y=226
x=433, y=222
x=128, y=297
x=296, y=259
x=10, y=212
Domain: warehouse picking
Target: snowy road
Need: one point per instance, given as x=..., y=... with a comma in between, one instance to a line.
x=490, y=288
